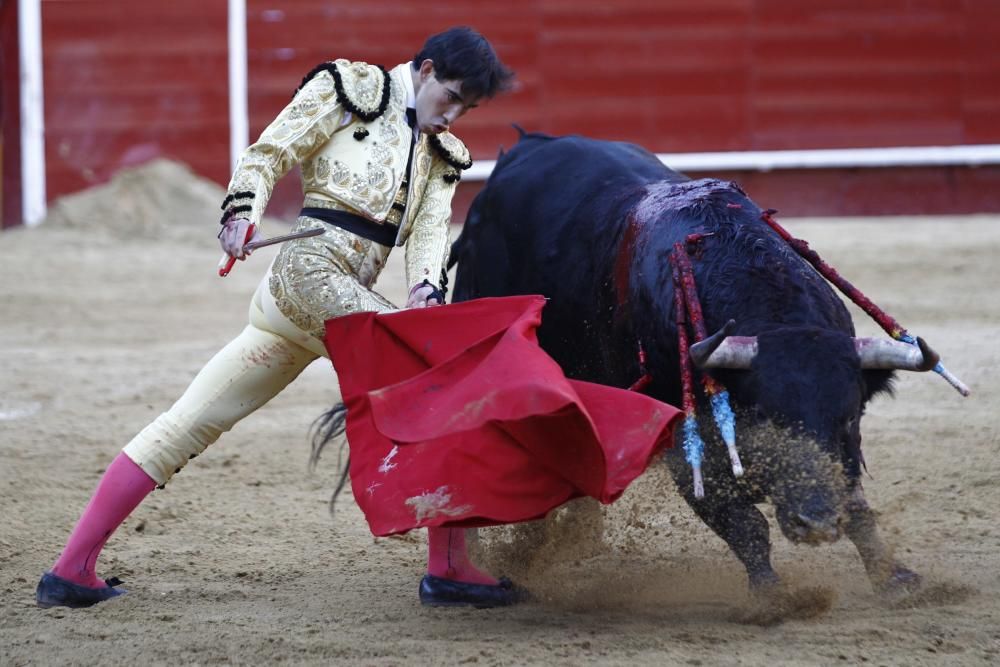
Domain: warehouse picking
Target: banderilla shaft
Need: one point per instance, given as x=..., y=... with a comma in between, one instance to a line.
x=882, y=318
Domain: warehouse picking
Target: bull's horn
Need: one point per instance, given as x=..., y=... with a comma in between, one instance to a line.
x=702, y=350
x=895, y=355
x=736, y=352
x=720, y=350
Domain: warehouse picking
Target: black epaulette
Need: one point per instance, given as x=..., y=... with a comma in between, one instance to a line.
x=453, y=152
x=345, y=83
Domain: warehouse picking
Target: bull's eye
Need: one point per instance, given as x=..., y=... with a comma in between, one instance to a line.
x=759, y=415
x=851, y=432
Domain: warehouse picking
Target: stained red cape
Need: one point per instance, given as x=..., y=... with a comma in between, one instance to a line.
x=456, y=417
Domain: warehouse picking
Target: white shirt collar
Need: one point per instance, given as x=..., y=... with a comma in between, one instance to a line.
x=405, y=76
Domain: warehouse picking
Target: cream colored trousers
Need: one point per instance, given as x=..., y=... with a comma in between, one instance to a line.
x=269, y=353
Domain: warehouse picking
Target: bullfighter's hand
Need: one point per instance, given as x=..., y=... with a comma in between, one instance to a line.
x=234, y=236
x=422, y=296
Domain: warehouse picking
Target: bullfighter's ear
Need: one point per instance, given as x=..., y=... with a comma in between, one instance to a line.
x=878, y=382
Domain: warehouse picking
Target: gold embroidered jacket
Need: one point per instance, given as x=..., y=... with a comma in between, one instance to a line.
x=347, y=127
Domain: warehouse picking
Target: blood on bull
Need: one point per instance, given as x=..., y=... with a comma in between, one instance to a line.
x=591, y=225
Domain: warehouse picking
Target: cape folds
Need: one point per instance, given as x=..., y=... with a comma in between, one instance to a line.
x=457, y=418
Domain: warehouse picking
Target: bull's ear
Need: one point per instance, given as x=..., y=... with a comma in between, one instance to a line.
x=720, y=350
x=888, y=354
x=879, y=382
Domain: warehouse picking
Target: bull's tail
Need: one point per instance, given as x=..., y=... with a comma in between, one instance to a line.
x=329, y=426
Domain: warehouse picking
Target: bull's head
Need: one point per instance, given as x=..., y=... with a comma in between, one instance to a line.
x=802, y=392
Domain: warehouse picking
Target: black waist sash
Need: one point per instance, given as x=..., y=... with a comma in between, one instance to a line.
x=383, y=234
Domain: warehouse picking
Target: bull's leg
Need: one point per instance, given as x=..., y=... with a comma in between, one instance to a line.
x=744, y=529
x=731, y=515
x=888, y=575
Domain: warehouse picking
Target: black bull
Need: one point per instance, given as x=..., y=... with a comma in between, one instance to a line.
x=590, y=225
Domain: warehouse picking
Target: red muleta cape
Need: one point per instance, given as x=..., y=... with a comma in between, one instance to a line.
x=456, y=417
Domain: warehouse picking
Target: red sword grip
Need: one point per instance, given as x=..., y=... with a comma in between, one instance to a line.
x=228, y=261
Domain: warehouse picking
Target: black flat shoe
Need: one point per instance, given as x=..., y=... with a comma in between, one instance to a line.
x=440, y=592
x=54, y=591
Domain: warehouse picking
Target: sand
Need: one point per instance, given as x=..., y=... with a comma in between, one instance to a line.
x=111, y=306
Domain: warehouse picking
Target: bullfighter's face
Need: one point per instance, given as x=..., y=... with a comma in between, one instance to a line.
x=439, y=103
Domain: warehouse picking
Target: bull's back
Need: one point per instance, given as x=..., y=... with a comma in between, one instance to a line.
x=549, y=221
x=549, y=213
x=562, y=179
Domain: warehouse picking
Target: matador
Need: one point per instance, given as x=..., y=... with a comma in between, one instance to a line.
x=379, y=169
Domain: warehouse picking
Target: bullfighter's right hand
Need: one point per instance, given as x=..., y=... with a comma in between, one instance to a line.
x=234, y=236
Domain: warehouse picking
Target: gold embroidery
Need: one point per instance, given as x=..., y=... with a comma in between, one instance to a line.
x=332, y=204
x=325, y=89
x=322, y=169
x=302, y=126
x=317, y=278
x=358, y=186
x=378, y=177
x=387, y=130
x=365, y=174
x=382, y=155
x=340, y=175
x=427, y=245
x=330, y=274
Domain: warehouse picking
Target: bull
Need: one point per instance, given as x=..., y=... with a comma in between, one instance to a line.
x=590, y=225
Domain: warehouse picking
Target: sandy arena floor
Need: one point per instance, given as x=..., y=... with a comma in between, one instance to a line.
x=107, y=313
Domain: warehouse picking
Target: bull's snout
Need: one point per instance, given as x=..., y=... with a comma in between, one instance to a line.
x=814, y=530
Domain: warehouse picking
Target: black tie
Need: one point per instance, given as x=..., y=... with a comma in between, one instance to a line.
x=411, y=120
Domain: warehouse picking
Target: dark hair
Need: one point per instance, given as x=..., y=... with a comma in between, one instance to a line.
x=463, y=54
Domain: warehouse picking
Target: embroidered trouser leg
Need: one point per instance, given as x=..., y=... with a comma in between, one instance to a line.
x=284, y=335
x=318, y=278
x=244, y=375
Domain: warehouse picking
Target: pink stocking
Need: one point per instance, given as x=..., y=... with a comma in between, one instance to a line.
x=121, y=489
x=448, y=558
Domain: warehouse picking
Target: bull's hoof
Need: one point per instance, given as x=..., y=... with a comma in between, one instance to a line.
x=775, y=604
x=440, y=592
x=764, y=583
x=900, y=584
